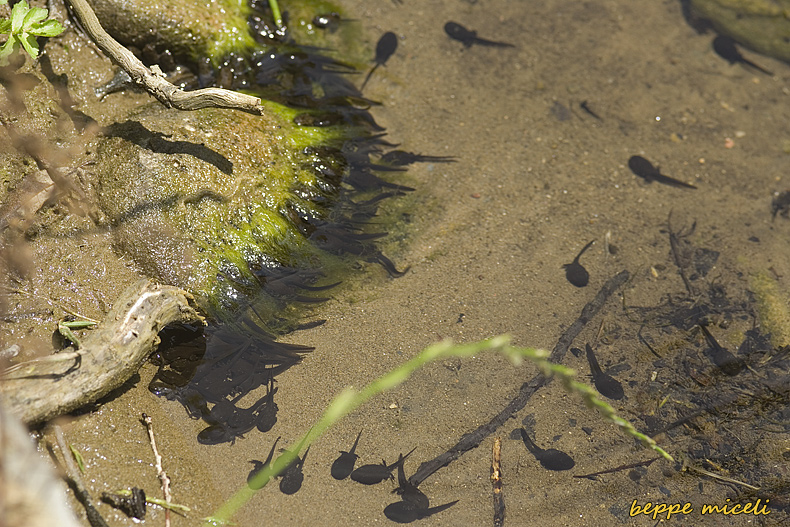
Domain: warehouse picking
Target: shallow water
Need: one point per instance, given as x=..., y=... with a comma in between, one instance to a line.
x=537, y=177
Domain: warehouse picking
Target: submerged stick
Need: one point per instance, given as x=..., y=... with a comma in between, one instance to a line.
x=41, y=389
x=473, y=439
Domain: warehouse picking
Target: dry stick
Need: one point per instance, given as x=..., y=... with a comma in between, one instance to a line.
x=159, y=470
x=473, y=439
x=620, y=468
x=152, y=79
x=496, y=483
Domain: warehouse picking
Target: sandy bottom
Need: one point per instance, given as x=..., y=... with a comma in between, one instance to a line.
x=485, y=238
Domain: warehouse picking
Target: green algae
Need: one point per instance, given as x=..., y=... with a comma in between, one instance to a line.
x=192, y=28
x=211, y=200
x=772, y=306
x=762, y=25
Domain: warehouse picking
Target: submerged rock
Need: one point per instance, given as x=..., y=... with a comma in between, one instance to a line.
x=191, y=28
x=220, y=202
x=762, y=25
x=255, y=216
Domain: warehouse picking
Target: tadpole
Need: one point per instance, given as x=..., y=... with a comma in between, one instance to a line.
x=728, y=363
x=575, y=272
x=550, y=458
x=372, y=474
x=414, y=504
x=386, y=46
x=344, y=464
x=606, y=385
x=257, y=467
x=725, y=47
x=292, y=476
x=643, y=168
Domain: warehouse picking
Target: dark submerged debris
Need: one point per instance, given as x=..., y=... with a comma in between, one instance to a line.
x=560, y=112
x=473, y=439
x=343, y=466
x=468, y=37
x=643, y=168
x=132, y=505
x=575, y=272
x=385, y=48
x=726, y=48
x=401, y=158
x=606, y=385
x=550, y=458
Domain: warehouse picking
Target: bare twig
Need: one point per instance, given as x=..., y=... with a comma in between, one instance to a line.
x=620, y=468
x=152, y=80
x=698, y=470
x=163, y=478
x=496, y=483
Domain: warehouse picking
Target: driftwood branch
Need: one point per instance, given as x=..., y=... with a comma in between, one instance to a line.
x=41, y=389
x=151, y=79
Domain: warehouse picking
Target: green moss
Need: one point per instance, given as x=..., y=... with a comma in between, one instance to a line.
x=192, y=28
x=772, y=307
x=347, y=39
x=216, y=196
x=763, y=25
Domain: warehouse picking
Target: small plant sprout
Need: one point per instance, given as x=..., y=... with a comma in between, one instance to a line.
x=25, y=25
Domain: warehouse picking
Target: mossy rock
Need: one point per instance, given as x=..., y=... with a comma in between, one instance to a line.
x=191, y=28
x=762, y=25
x=218, y=201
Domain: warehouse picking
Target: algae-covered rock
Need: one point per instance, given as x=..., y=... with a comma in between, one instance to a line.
x=191, y=28
x=762, y=25
x=215, y=201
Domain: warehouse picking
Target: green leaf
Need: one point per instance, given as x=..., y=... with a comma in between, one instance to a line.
x=5, y=26
x=7, y=49
x=18, y=13
x=30, y=44
x=78, y=458
x=50, y=28
x=35, y=15
x=3, y=2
